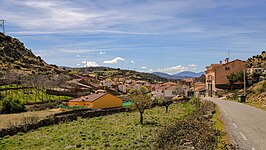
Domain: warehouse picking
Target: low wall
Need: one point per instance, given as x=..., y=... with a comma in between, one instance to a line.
x=61, y=118
x=61, y=93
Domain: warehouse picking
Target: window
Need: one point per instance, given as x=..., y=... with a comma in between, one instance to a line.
x=227, y=68
x=209, y=77
x=162, y=91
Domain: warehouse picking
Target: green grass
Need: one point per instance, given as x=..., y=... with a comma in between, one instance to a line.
x=118, y=131
x=219, y=125
x=31, y=97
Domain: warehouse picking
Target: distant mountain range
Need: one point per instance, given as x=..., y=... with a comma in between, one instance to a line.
x=181, y=75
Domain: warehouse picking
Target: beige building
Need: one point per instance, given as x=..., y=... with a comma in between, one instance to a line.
x=216, y=80
x=165, y=90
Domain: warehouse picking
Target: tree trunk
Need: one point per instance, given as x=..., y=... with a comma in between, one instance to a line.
x=166, y=109
x=141, y=117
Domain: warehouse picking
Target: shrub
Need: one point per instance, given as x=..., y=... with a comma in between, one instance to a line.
x=195, y=101
x=9, y=105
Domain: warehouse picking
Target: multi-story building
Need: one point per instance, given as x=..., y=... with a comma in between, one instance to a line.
x=216, y=76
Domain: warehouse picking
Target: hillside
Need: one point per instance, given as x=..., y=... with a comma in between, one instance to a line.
x=14, y=56
x=258, y=61
x=107, y=72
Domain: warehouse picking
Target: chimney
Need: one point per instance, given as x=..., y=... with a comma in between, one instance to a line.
x=221, y=62
x=226, y=60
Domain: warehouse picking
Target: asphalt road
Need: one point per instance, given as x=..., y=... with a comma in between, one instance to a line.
x=245, y=125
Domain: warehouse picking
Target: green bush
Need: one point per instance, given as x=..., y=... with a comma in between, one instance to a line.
x=195, y=101
x=9, y=105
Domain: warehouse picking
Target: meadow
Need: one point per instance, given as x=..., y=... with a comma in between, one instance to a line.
x=118, y=131
x=31, y=95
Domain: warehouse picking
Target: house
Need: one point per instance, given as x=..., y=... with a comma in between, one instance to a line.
x=165, y=90
x=122, y=88
x=97, y=100
x=216, y=76
x=200, y=89
x=257, y=74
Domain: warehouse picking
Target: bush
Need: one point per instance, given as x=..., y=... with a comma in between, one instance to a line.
x=9, y=105
x=195, y=101
x=193, y=132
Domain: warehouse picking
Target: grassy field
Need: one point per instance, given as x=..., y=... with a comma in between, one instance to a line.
x=118, y=131
x=7, y=120
x=30, y=95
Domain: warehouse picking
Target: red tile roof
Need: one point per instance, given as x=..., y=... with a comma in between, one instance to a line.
x=169, y=83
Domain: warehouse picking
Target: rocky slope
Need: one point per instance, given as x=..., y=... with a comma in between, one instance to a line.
x=258, y=61
x=15, y=57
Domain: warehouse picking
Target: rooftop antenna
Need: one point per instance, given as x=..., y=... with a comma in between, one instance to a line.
x=2, y=25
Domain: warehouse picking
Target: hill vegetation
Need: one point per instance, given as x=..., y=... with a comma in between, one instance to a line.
x=257, y=61
x=14, y=56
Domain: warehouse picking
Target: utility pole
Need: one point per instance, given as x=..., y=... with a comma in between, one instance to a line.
x=244, y=80
x=2, y=25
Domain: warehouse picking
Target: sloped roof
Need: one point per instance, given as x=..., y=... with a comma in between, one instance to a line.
x=213, y=66
x=164, y=87
x=169, y=83
x=89, y=98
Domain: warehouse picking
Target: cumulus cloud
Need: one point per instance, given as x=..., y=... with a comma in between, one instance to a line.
x=173, y=69
x=102, y=53
x=90, y=64
x=133, y=62
x=192, y=65
x=114, y=61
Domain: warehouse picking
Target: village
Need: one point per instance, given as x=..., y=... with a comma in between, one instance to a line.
x=132, y=75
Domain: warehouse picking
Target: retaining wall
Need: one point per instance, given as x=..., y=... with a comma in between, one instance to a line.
x=60, y=118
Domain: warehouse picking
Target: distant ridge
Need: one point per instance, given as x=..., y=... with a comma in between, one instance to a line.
x=189, y=74
x=181, y=75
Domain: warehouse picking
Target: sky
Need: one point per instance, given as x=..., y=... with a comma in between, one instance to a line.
x=168, y=36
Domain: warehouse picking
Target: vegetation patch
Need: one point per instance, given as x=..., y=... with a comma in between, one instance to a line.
x=118, y=131
x=198, y=131
x=10, y=105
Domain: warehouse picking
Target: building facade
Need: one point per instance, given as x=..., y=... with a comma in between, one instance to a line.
x=216, y=76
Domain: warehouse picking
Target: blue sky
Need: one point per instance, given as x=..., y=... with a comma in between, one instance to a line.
x=146, y=35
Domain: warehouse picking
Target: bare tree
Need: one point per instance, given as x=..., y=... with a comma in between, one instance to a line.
x=166, y=102
x=141, y=99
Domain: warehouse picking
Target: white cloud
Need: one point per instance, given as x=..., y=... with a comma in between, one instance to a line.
x=173, y=69
x=78, y=55
x=102, y=53
x=143, y=67
x=90, y=64
x=133, y=62
x=192, y=65
x=114, y=61
x=78, y=64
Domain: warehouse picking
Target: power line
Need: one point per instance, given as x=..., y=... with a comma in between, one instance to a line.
x=2, y=25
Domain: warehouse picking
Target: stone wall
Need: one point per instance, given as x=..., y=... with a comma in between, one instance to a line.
x=60, y=118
